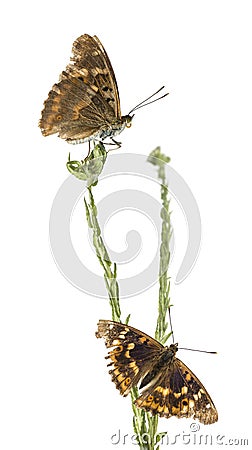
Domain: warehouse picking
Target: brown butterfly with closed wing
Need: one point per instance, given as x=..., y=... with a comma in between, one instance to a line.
x=84, y=105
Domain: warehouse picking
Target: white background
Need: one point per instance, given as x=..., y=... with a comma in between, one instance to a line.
x=55, y=390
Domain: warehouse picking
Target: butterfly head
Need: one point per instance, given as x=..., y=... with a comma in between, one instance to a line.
x=169, y=352
x=173, y=348
x=127, y=120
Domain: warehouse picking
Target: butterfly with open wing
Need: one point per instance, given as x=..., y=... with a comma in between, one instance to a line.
x=84, y=105
x=171, y=389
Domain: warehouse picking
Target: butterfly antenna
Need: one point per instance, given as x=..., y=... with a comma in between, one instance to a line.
x=169, y=312
x=143, y=103
x=194, y=350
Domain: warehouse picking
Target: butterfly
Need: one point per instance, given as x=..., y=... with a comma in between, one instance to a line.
x=84, y=105
x=169, y=387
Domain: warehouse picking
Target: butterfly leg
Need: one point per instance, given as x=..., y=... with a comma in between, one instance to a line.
x=89, y=149
x=119, y=144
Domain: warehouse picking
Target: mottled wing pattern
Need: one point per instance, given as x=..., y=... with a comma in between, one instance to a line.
x=178, y=392
x=132, y=354
x=169, y=386
x=89, y=53
x=86, y=98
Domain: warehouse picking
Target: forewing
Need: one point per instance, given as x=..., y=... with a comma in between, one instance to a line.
x=86, y=97
x=178, y=392
x=100, y=71
x=132, y=354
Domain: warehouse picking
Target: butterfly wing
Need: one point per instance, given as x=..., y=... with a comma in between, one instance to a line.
x=178, y=392
x=132, y=354
x=86, y=99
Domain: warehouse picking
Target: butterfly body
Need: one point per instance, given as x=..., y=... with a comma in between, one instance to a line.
x=169, y=387
x=112, y=129
x=106, y=131
x=164, y=359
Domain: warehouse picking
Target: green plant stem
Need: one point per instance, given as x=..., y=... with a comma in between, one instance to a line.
x=161, y=333
x=109, y=269
x=144, y=424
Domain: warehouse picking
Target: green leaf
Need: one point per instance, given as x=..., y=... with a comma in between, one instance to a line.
x=89, y=169
x=127, y=319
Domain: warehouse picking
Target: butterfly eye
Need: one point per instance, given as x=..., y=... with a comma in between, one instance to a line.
x=59, y=117
x=128, y=120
